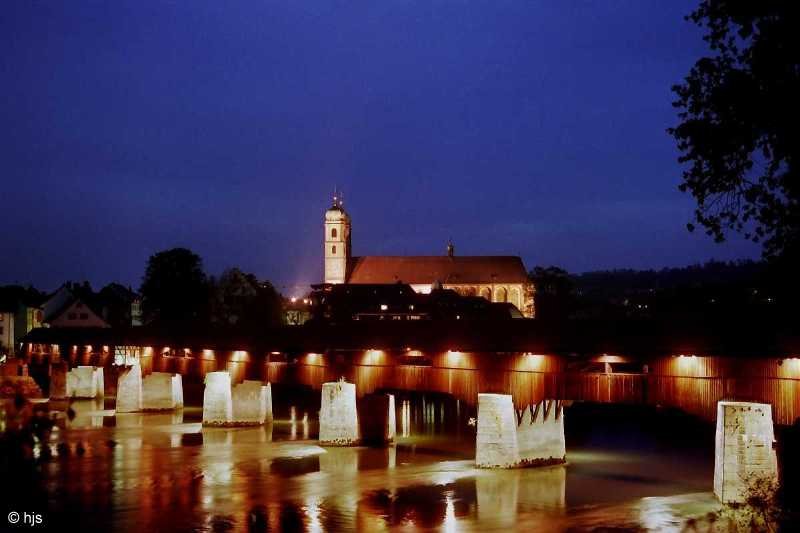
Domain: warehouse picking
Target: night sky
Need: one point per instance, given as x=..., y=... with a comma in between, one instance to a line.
x=529, y=128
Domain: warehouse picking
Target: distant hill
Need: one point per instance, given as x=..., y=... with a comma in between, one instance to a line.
x=716, y=288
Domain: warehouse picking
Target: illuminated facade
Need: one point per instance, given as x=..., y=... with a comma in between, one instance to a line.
x=495, y=278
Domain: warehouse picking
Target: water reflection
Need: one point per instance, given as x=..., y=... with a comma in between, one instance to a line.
x=163, y=471
x=87, y=413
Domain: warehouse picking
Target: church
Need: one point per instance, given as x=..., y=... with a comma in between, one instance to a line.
x=497, y=278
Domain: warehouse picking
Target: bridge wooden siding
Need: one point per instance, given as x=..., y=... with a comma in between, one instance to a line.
x=692, y=383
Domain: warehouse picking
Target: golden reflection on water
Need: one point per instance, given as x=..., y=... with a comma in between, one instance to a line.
x=162, y=471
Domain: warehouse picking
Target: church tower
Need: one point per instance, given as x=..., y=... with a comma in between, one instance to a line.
x=337, y=241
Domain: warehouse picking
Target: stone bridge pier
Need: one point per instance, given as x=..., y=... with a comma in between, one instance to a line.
x=343, y=422
x=507, y=438
x=247, y=404
x=745, y=462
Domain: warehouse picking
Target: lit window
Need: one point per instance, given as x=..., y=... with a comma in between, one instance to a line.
x=334, y=233
x=384, y=307
x=333, y=249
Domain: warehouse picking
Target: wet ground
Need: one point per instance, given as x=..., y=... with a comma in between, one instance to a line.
x=627, y=469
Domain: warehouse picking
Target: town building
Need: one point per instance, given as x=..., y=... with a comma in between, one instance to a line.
x=76, y=305
x=497, y=278
x=20, y=312
x=344, y=302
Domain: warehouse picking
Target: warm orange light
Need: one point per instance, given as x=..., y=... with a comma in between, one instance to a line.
x=105, y=347
x=606, y=358
x=239, y=355
x=373, y=356
x=208, y=353
x=414, y=353
x=792, y=365
x=454, y=356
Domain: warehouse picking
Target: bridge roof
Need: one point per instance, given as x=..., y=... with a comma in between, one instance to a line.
x=641, y=338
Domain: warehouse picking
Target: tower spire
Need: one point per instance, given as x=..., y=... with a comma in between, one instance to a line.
x=338, y=197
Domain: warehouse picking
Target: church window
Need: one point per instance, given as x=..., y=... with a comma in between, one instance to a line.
x=333, y=249
x=501, y=295
x=334, y=233
x=515, y=297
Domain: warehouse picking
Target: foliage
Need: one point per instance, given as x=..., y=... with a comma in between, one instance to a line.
x=555, y=292
x=174, y=288
x=761, y=510
x=240, y=300
x=739, y=121
x=716, y=288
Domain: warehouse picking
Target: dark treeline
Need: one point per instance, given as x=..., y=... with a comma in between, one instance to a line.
x=176, y=291
x=713, y=289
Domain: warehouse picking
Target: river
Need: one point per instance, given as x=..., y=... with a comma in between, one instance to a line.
x=628, y=468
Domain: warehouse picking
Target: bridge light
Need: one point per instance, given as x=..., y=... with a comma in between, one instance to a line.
x=454, y=356
x=791, y=365
x=373, y=356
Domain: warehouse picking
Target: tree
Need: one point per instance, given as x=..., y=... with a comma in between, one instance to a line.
x=242, y=301
x=554, y=292
x=174, y=288
x=740, y=121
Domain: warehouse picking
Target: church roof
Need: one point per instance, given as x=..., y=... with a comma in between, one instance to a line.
x=419, y=269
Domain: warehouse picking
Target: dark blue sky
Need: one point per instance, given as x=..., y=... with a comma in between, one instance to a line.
x=533, y=128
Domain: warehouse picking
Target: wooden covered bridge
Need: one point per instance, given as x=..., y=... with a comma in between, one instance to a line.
x=686, y=366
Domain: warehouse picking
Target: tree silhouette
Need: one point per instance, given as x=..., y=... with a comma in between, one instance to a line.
x=739, y=122
x=555, y=292
x=174, y=288
x=240, y=300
